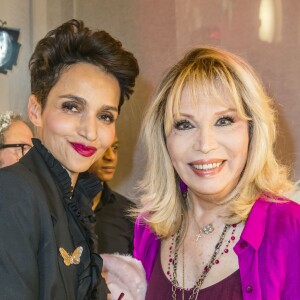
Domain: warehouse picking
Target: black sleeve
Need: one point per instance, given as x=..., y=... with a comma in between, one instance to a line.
x=19, y=235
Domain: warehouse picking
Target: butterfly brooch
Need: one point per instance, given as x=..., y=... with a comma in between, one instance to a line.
x=73, y=258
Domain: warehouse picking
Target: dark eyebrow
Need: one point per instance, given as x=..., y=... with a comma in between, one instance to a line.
x=109, y=107
x=73, y=97
x=83, y=101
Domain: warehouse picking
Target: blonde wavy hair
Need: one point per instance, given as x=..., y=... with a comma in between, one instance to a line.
x=218, y=74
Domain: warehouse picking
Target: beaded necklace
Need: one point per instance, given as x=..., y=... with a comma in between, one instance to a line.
x=207, y=229
x=213, y=260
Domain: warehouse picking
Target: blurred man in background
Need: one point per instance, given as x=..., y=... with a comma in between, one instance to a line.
x=113, y=226
x=15, y=138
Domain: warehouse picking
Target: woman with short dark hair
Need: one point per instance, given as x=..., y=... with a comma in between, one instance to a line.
x=79, y=79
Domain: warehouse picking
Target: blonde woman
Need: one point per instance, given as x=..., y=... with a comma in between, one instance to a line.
x=215, y=221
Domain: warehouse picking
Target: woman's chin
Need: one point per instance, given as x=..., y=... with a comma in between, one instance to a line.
x=75, y=169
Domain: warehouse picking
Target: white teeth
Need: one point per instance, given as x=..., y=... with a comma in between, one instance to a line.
x=207, y=166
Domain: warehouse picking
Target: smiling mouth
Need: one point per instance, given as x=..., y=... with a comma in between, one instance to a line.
x=207, y=167
x=83, y=150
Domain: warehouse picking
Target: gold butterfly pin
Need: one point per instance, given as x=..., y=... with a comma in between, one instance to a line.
x=73, y=258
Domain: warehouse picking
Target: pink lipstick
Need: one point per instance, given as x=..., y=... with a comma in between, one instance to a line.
x=207, y=168
x=83, y=150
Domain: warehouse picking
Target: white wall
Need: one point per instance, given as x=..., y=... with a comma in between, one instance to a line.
x=14, y=86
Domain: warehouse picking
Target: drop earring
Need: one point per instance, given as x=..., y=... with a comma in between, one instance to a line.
x=183, y=188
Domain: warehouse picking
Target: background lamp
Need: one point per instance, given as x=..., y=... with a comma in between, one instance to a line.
x=9, y=47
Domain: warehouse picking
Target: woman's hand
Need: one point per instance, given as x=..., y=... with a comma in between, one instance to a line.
x=124, y=276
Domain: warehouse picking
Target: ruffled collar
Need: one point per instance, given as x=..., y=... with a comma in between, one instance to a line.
x=61, y=176
x=79, y=207
x=90, y=184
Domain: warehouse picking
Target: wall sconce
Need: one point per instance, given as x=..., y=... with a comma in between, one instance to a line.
x=9, y=47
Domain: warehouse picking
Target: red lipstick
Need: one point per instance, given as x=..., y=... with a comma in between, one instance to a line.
x=83, y=150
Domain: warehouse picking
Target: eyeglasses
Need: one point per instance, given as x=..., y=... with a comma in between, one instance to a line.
x=24, y=147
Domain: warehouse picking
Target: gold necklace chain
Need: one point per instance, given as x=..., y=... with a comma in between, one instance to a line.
x=207, y=268
x=204, y=230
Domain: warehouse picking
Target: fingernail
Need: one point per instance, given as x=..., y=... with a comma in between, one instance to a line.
x=121, y=296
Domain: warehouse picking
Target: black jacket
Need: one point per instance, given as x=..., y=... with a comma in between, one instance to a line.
x=113, y=226
x=35, y=221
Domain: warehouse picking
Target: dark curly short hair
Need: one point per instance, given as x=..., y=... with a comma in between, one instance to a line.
x=72, y=43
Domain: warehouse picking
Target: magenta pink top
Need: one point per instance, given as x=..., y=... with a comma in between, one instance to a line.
x=268, y=251
x=229, y=288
